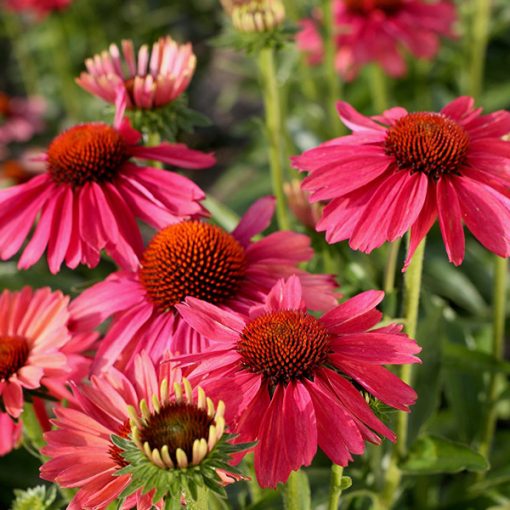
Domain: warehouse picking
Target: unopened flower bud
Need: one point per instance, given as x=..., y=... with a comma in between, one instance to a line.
x=306, y=213
x=255, y=15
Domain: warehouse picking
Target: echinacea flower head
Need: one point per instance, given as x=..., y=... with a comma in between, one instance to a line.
x=401, y=171
x=92, y=194
x=141, y=435
x=33, y=338
x=377, y=30
x=10, y=433
x=151, y=79
x=199, y=259
x=255, y=15
x=20, y=119
x=291, y=380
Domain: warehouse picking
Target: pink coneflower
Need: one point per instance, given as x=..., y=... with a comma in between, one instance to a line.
x=377, y=30
x=39, y=7
x=92, y=194
x=167, y=428
x=33, y=337
x=286, y=376
x=20, y=119
x=10, y=433
x=152, y=80
x=401, y=171
x=198, y=259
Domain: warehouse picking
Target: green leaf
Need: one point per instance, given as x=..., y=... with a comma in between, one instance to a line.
x=345, y=483
x=460, y=357
x=432, y=455
x=447, y=281
x=427, y=377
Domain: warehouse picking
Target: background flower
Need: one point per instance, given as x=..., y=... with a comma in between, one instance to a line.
x=20, y=119
x=377, y=30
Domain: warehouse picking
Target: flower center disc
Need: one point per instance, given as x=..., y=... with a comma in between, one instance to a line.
x=366, y=6
x=427, y=142
x=284, y=346
x=14, y=353
x=195, y=259
x=177, y=425
x=86, y=153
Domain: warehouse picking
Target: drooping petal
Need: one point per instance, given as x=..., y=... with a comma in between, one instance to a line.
x=290, y=417
x=450, y=220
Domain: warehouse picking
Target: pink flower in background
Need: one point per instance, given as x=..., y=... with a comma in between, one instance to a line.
x=92, y=194
x=39, y=7
x=151, y=79
x=22, y=169
x=377, y=30
x=10, y=433
x=173, y=427
x=401, y=171
x=20, y=119
x=196, y=259
x=33, y=340
x=282, y=375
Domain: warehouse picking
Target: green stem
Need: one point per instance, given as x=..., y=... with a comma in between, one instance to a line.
x=291, y=495
x=26, y=65
x=498, y=345
x=153, y=138
x=63, y=67
x=378, y=88
x=335, y=486
x=332, y=77
x=412, y=287
x=479, y=39
x=389, y=275
x=274, y=132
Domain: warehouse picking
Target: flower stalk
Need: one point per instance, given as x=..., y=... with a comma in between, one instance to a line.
x=333, y=80
x=412, y=288
x=335, y=486
x=274, y=131
x=479, y=39
x=378, y=88
x=498, y=345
